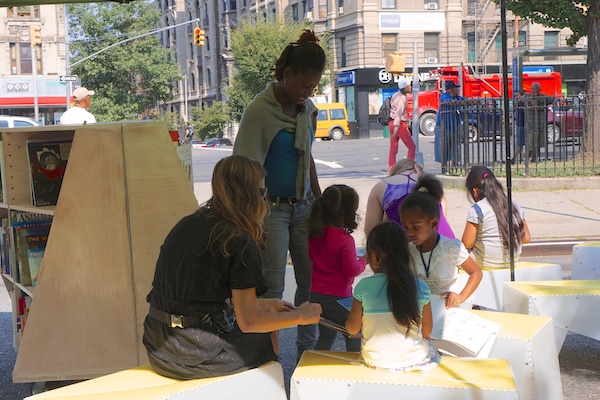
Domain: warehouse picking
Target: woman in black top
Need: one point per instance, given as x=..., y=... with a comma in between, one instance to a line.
x=205, y=318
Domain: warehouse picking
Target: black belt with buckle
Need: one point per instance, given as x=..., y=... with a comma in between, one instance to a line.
x=175, y=321
x=222, y=321
x=286, y=200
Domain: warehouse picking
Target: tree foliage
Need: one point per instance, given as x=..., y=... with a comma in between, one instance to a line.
x=255, y=50
x=130, y=77
x=210, y=121
x=556, y=14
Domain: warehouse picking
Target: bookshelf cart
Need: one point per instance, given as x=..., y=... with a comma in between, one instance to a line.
x=124, y=188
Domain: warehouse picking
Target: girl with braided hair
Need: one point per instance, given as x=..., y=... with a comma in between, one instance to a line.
x=332, y=250
x=436, y=257
x=486, y=232
x=277, y=129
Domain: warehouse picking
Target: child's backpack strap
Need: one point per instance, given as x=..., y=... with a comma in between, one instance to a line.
x=478, y=212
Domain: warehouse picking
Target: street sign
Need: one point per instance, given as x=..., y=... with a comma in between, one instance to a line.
x=68, y=78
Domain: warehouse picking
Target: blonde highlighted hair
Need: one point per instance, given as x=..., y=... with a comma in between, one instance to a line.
x=406, y=164
x=237, y=200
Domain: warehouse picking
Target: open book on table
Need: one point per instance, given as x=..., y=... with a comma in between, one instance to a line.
x=459, y=332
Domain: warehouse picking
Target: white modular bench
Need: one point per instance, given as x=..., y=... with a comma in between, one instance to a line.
x=527, y=342
x=489, y=291
x=142, y=383
x=586, y=261
x=331, y=375
x=572, y=305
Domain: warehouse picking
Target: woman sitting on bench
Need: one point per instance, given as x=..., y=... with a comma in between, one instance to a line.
x=205, y=319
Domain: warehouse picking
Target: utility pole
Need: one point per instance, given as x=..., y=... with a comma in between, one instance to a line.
x=415, y=111
x=35, y=37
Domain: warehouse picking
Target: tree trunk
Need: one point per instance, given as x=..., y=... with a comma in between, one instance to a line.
x=591, y=139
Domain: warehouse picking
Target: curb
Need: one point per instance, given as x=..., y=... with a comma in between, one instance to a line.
x=532, y=184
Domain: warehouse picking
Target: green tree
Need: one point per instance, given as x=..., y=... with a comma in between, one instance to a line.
x=255, y=49
x=209, y=122
x=128, y=78
x=583, y=18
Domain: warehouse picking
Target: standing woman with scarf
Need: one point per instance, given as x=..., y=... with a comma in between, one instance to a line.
x=277, y=130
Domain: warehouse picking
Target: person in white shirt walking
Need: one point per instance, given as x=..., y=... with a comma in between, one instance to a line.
x=78, y=115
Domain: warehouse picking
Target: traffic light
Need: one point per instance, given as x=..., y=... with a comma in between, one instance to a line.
x=198, y=37
x=35, y=35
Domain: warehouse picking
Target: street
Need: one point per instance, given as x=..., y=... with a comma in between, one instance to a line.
x=348, y=158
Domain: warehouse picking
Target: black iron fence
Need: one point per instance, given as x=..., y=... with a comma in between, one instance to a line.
x=547, y=136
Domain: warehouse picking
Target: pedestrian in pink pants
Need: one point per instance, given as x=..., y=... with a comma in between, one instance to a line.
x=398, y=124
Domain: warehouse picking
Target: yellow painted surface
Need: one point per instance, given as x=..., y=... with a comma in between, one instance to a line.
x=485, y=374
x=518, y=326
x=557, y=288
x=588, y=244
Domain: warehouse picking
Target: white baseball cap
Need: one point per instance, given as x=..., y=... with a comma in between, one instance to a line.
x=403, y=82
x=81, y=93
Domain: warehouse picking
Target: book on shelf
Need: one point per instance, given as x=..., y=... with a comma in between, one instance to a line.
x=29, y=238
x=47, y=165
x=458, y=332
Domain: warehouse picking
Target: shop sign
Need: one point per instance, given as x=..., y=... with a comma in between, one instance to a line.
x=346, y=78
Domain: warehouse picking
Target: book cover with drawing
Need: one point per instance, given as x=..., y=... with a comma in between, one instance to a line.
x=458, y=332
x=29, y=238
x=47, y=165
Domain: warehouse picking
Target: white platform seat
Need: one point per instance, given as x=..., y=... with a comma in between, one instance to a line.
x=586, y=261
x=489, y=291
x=572, y=305
x=527, y=342
x=337, y=375
x=142, y=383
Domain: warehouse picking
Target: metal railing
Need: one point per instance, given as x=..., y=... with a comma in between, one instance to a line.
x=546, y=134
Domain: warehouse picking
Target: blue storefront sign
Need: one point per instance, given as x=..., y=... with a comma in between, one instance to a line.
x=346, y=78
x=538, y=69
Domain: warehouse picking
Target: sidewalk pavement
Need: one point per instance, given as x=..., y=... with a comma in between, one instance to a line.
x=555, y=209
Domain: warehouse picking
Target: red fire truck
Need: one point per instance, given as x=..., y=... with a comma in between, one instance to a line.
x=473, y=86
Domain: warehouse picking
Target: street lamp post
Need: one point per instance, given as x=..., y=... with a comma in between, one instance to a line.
x=415, y=111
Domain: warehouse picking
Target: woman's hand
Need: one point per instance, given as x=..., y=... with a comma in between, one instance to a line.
x=309, y=313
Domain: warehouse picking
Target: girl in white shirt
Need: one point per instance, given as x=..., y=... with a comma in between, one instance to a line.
x=486, y=232
x=436, y=257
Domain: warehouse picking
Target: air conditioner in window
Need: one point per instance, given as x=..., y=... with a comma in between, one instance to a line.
x=497, y=11
x=340, y=10
x=308, y=15
x=431, y=60
x=431, y=6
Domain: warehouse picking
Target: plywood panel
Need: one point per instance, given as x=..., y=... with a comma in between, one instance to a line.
x=159, y=194
x=82, y=322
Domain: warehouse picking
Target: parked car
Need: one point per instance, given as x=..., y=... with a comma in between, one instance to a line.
x=484, y=120
x=16, y=122
x=565, y=122
x=217, y=142
x=196, y=143
x=332, y=121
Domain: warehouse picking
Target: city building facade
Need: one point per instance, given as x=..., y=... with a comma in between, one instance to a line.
x=361, y=34
x=18, y=89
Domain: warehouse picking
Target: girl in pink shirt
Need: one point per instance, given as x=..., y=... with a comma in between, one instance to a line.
x=332, y=250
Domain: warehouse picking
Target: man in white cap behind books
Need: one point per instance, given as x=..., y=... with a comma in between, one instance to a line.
x=78, y=115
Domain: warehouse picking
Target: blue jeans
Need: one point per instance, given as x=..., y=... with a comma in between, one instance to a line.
x=333, y=311
x=287, y=228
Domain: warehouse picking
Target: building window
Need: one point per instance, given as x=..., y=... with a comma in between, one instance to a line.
x=295, y=12
x=342, y=58
x=388, y=4
x=20, y=59
x=388, y=44
x=340, y=6
x=23, y=12
x=432, y=47
x=522, y=39
x=471, y=50
x=551, y=41
x=432, y=4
